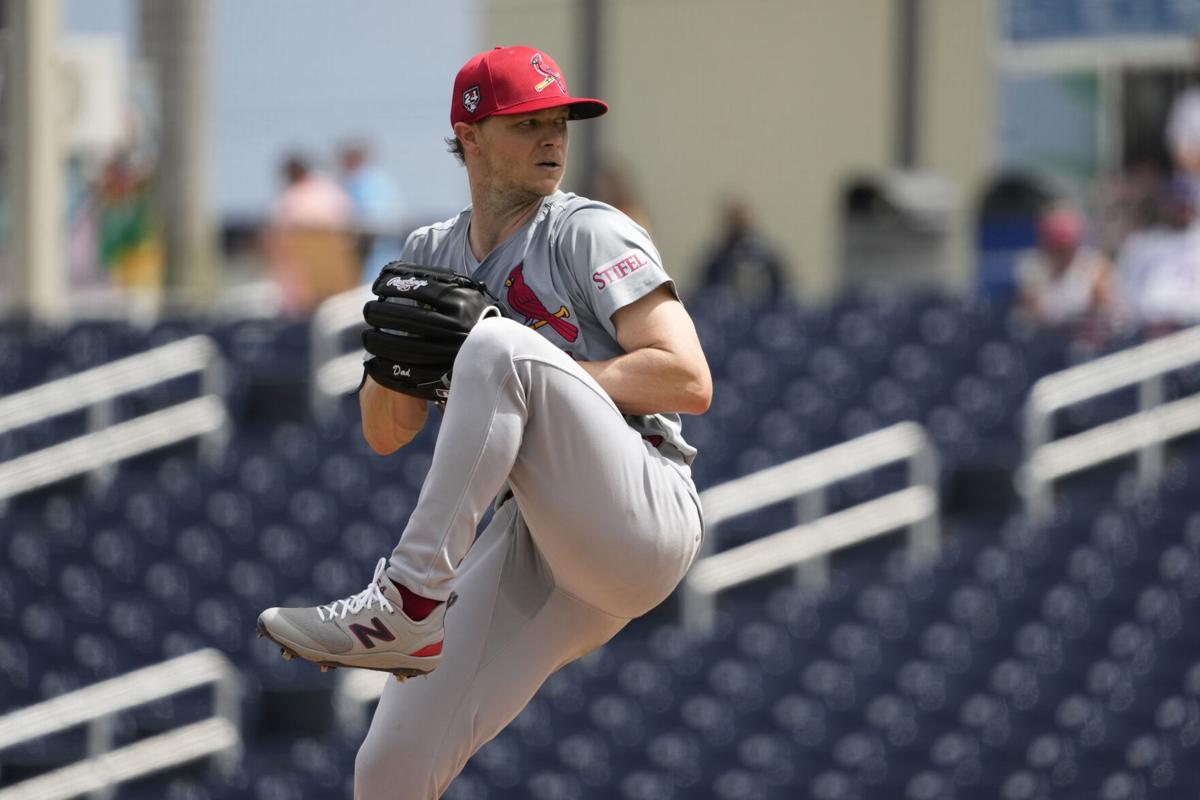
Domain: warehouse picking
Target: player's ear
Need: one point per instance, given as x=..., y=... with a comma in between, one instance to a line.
x=468, y=134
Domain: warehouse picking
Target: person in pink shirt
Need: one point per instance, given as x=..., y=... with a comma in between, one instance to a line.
x=309, y=243
x=1064, y=281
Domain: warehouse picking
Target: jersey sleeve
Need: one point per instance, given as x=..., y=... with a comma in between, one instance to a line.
x=413, y=245
x=612, y=259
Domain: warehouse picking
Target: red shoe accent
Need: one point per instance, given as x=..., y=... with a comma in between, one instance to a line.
x=429, y=650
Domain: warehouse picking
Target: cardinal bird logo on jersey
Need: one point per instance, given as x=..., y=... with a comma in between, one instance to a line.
x=522, y=300
x=550, y=76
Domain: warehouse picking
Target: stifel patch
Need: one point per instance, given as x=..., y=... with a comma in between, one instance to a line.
x=617, y=270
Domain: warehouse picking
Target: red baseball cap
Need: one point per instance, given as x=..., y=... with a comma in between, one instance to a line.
x=514, y=80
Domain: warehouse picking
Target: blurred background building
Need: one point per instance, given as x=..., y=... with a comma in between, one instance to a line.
x=826, y=119
x=944, y=261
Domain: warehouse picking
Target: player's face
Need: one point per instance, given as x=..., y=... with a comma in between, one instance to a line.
x=526, y=152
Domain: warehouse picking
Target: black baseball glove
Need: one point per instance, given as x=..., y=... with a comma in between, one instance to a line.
x=417, y=325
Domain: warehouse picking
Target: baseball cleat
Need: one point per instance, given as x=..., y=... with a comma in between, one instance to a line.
x=368, y=630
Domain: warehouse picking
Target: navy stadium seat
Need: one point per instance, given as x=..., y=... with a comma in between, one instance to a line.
x=1025, y=662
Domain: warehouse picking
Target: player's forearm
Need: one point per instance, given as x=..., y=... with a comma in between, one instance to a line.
x=654, y=381
x=390, y=420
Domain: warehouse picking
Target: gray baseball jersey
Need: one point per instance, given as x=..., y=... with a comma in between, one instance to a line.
x=564, y=274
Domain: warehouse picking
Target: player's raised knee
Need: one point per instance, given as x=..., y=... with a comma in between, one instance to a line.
x=487, y=342
x=493, y=340
x=497, y=328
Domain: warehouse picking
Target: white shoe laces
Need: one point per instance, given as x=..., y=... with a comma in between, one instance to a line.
x=355, y=603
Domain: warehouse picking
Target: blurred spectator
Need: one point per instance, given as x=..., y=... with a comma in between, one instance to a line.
x=1159, y=268
x=743, y=260
x=309, y=243
x=614, y=186
x=378, y=206
x=1064, y=281
x=83, y=246
x=1183, y=132
x=1128, y=202
x=130, y=247
x=310, y=199
x=1006, y=227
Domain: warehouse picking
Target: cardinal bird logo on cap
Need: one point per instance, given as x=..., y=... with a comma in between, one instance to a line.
x=522, y=300
x=550, y=76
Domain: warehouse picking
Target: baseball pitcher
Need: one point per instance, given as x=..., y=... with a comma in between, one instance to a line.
x=546, y=326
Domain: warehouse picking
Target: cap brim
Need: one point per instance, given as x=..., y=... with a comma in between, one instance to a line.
x=580, y=107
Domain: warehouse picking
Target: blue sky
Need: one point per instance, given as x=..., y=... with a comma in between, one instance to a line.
x=306, y=74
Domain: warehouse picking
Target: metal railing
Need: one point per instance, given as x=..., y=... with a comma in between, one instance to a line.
x=95, y=706
x=806, y=546
x=331, y=372
x=915, y=507
x=1142, y=433
x=807, y=478
x=96, y=452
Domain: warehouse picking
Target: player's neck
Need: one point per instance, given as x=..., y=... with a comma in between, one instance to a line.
x=495, y=218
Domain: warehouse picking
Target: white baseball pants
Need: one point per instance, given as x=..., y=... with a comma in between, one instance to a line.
x=600, y=529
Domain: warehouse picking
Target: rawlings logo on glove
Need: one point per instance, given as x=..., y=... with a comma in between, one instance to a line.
x=406, y=284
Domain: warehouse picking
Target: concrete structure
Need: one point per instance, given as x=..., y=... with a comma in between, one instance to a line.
x=779, y=100
x=34, y=161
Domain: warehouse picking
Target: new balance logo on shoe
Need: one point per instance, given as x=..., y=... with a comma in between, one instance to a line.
x=377, y=630
x=380, y=631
